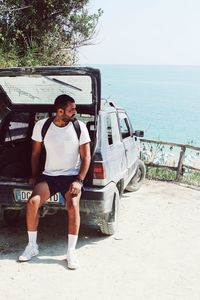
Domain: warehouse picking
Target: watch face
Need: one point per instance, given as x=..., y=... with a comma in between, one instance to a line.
x=80, y=181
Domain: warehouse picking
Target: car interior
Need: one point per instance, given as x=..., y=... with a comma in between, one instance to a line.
x=15, y=143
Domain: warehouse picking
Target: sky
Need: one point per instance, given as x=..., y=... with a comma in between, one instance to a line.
x=155, y=32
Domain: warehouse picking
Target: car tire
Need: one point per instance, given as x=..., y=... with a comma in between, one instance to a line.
x=109, y=222
x=138, y=179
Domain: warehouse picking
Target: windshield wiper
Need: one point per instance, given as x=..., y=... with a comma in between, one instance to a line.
x=63, y=83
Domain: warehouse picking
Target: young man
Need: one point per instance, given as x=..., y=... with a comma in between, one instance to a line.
x=67, y=163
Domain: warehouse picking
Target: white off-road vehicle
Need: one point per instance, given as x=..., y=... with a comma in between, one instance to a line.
x=27, y=95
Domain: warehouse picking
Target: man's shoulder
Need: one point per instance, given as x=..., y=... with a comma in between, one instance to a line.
x=42, y=121
x=37, y=130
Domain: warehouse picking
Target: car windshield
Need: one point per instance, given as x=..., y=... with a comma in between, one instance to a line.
x=38, y=89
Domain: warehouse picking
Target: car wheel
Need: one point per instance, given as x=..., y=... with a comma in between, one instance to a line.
x=11, y=216
x=109, y=222
x=138, y=178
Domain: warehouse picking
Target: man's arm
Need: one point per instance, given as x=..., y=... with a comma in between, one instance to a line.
x=35, y=160
x=85, y=160
x=85, y=163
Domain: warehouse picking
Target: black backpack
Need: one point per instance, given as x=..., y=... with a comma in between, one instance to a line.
x=48, y=122
x=44, y=130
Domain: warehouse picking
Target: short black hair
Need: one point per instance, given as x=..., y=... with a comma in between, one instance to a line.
x=62, y=101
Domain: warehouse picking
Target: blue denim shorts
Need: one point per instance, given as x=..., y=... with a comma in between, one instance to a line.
x=57, y=184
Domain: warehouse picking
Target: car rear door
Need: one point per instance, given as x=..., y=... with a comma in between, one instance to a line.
x=115, y=154
x=129, y=142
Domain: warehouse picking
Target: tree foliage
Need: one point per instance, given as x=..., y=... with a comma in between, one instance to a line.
x=46, y=32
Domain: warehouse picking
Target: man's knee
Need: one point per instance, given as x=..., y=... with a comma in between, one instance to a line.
x=73, y=204
x=34, y=201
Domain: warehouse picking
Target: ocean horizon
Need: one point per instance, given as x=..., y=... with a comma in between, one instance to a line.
x=162, y=100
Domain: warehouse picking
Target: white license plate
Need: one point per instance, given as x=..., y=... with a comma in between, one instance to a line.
x=23, y=196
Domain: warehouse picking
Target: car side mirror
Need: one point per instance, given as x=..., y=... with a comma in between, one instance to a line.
x=139, y=133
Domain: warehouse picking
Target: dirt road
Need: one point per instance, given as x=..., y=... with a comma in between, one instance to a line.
x=155, y=254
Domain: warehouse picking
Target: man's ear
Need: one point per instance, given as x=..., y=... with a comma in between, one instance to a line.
x=60, y=111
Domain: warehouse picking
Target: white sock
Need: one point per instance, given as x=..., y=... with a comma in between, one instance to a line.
x=72, y=240
x=32, y=237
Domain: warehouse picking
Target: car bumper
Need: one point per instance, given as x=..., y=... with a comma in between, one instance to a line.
x=95, y=200
x=98, y=200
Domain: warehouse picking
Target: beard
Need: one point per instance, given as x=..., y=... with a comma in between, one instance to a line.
x=67, y=119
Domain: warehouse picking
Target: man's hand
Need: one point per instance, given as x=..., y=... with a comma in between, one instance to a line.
x=75, y=188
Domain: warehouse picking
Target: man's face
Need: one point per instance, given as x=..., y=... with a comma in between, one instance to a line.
x=68, y=113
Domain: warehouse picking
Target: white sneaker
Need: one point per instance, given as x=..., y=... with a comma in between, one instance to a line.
x=30, y=251
x=72, y=260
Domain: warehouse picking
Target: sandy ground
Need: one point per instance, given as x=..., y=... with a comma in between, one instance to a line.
x=155, y=253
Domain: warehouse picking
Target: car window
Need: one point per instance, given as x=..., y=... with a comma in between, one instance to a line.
x=18, y=127
x=113, y=134
x=39, y=89
x=125, y=127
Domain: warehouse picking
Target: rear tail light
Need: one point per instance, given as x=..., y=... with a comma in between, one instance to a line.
x=99, y=170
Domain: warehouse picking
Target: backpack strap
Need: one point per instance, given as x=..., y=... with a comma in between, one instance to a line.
x=77, y=128
x=48, y=122
x=45, y=127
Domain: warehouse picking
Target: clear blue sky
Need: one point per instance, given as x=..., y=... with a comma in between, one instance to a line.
x=145, y=32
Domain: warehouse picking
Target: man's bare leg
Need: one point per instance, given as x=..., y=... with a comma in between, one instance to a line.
x=39, y=195
x=73, y=227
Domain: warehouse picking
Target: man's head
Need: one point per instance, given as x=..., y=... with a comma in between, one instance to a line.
x=65, y=107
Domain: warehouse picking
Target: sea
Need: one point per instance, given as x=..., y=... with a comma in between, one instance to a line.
x=164, y=101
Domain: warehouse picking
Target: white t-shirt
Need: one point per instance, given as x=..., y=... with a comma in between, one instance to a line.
x=62, y=147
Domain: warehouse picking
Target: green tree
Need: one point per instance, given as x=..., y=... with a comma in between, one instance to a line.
x=44, y=32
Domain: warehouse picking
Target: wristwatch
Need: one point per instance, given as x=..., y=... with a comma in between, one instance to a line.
x=79, y=181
